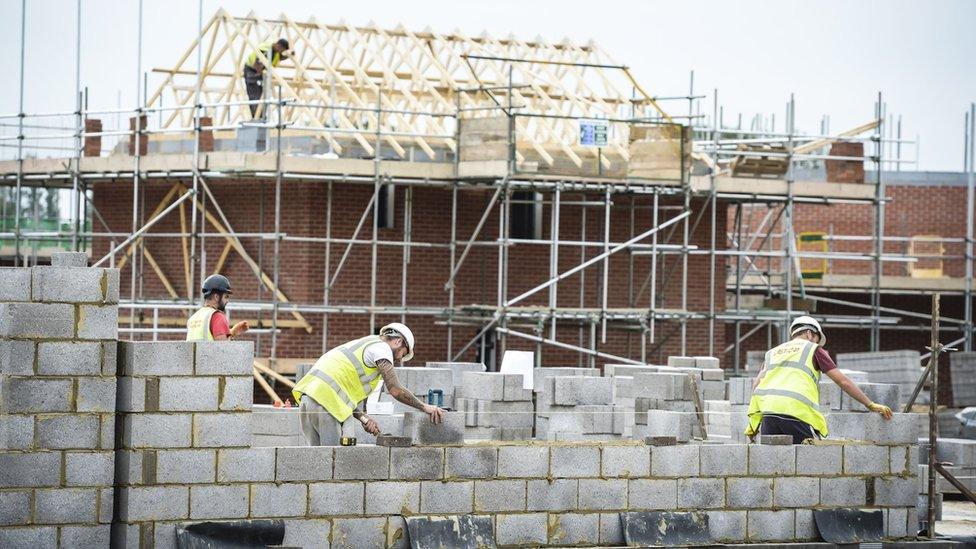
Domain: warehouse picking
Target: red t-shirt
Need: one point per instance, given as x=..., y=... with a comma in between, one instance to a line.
x=220, y=327
x=822, y=361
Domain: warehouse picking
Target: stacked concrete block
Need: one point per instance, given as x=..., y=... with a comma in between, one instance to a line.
x=272, y=426
x=900, y=429
x=457, y=371
x=902, y=368
x=496, y=406
x=962, y=378
x=666, y=404
x=419, y=381
x=580, y=408
x=58, y=327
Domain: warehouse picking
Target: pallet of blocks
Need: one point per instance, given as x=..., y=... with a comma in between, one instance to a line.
x=496, y=406
x=902, y=368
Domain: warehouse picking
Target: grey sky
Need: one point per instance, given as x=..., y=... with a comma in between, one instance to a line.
x=833, y=55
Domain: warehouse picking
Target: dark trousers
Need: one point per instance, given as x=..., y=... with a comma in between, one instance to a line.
x=786, y=425
x=254, y=83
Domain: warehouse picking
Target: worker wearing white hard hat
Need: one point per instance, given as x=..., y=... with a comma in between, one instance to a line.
x=786, y=393
x=342, y=379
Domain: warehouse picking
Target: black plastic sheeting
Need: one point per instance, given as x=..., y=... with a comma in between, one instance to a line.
x=450, y=532
x=239, y=534
x=849, y=525
x=643, y=528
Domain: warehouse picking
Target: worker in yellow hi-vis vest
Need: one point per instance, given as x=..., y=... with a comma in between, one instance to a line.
x=786, y=394
x=210, y=322
x=343, y=377
x=271, y=52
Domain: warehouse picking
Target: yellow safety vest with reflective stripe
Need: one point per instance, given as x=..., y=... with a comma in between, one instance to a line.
x=340, y=379
x=198, y=326
x=267, y=49
x=789, y=387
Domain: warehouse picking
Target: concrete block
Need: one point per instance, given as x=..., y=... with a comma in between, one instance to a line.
x=770, y=525
x=750, y=492
x=98, y=322
x=842, y=492
x=236, y=394
x=29, y=395
x=796, y=492
x=112, y=277
x=68, y=431
x=37, y=320
x=137, y=504
x=69, y=259
x=15, y=284
x=527, y=529
x=485, y=385
x=771, y=460
x=493, y=413
x=96, y=394
x=513, y=390
x=187, y=394
x=15, y=508
x=89, y=468
x=495, y=496
x=653, y=494
x=30, y=536
x=896, y=523
x=805, y=528
x=574, y=529
x=899, y=462
x=626, y=461
x=86, y=536
x=416, y=463
x=392, y=498
x=474, y=462
x=279, y=500
x=724, y=460
x=523, y=461
x=900, y=429
x=107, y=431
x=308, y=534
x=63, y=358
x=362, y=462
x=17, y=432
x=603, y=494
x=65, y=506
x=681, y=361
x=358, y=532
x=895, y=491
x=16, y=357
x=575, y=461
x=246, y=465
x=219, y=501
x=555, y=495
x=865, y=460
x=67, y=284
x=156, y=430
x=575, y=391
x=675, y=461
x=819, y=460
x=156, y=358
x=610, y=531
x=417, y=425
x=701, y=493
x=727, y=526
x=336, y=498
x=303, y=463
x=131, y=394
x=224, y=358
x=446, y=497
x=186, y=466
x=225, y=429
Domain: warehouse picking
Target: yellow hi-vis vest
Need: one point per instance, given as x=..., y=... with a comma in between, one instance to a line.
x=268, y=51
x=789, y=387
x=340, y=379
x=198, y=326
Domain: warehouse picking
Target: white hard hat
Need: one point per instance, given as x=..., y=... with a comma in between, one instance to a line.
x=801, y=323
x=400, y=330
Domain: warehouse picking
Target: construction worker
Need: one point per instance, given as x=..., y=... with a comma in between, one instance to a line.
x=274, y=52
x=210, y=322
x=786, y=394
x=343, y=377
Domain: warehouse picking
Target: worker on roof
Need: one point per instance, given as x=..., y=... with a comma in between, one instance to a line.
x=786, y=394
x=210, y=322
x=342, y=379
x=273, y=52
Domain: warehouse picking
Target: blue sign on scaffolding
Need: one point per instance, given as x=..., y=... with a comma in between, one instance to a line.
x=593, y=132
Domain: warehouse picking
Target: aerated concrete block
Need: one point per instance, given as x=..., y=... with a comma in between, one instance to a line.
x=37, y=320
x=701, y=493
x=626, y=461
x=219, y=501
x=527, y=529
x=69, y=358
x=29, y=536
x=842, y=492
x=17, y=357
x=188, y=394
x=358, y=532
x=69, y=259
x=575, y=461
x=98, y=322
x=236, y=394
x=224, y=358
x=86, y=536
x=771, y=460
x=68, y=431
x=15, y=508
x=416, y=463
x=392, y=498
x=221, y=430
x=156, y=358
x=483, y=385
x=602, y=494
x=574, y=391
x=186, y=466
x=727, y=526
x=900, y=429
x=336, y=498
x=362, y=462
x=89, y=468
x=494, y=496
x=865, y=460
x=523, y=461
x=750, y=492
x=681, y=361
x=474, y=462
x=507, y=415
x=15, y=284
x=279, y=500
x=446, y=497
x=771, y=525
x=819, y=460
x=555, y=495
x=67, y=284
x=303, y=463
x=156, y=430
x=675, y=461
x=30, y=395
x=417, y=425
x=653, y=494
x=65, y=506
x=137, y=504
x=724, y=460
x=895, y=491
x=796, y=492
x=96, y=394
x=246, y=465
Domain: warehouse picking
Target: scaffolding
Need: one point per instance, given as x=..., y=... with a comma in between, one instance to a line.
x=341, y=93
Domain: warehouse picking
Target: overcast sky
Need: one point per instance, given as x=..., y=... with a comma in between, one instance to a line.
x=833, y=55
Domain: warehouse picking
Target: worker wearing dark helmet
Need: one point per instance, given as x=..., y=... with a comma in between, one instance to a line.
x=210, y=322
x=270, y=52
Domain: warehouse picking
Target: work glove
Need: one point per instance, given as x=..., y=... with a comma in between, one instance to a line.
x=880, y=409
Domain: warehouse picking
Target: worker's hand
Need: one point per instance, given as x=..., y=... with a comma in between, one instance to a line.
x=880, y=409
x=370, y=425
x=239, y=328
x=435, y=413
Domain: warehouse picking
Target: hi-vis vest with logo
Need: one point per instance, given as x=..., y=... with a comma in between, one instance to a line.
x=340, y=379
x=789, y=387
x=198, y=326
x=267, y=49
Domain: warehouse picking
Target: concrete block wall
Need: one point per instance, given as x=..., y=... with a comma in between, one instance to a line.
x=557, y=494
x=581, y=408
x=58, y=327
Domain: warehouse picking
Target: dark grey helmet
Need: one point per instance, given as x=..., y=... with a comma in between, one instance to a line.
x=216, y=283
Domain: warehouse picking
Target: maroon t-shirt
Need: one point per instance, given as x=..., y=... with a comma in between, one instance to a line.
x=220, y=327
x=822, y=361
